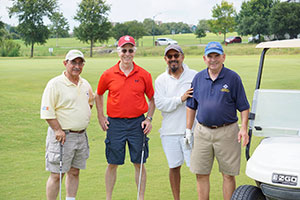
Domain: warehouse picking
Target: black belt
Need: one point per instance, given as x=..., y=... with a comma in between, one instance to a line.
x=215, y=126
x=71, y=131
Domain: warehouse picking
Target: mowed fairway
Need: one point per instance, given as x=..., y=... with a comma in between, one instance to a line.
x=23, y=133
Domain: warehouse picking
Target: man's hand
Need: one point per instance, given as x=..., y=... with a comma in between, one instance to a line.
x=187, y=94
x=60, y=136
x=188, y=136
x=103, y=122
x=243, y=135
x=146, y=126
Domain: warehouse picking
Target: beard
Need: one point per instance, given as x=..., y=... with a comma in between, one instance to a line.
x=173, y=67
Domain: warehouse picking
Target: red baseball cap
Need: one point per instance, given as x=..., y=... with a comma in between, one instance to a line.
x=125, y=40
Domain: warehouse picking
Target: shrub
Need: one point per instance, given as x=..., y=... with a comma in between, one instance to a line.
x=9, y=48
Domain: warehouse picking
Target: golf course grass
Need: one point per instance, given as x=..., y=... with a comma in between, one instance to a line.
x=23, y=133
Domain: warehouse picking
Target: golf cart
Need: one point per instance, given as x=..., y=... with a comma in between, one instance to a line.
x=275, y=163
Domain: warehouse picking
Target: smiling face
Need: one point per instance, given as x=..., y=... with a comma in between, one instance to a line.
x=126, y=53
x=74, y=67
x=174, y=60
x=214, y=61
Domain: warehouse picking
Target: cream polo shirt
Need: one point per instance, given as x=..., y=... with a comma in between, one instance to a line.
x=67, y=102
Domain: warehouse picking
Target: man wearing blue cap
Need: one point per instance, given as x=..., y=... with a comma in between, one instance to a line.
x=218, y=93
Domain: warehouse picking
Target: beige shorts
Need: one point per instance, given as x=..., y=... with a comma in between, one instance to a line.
x=75, y=151
x=221, y=143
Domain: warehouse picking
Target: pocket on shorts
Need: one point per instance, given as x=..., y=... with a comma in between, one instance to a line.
x=107, y=144
x=53, y=153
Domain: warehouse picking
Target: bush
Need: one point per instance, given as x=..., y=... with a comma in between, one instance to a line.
x=9, y=48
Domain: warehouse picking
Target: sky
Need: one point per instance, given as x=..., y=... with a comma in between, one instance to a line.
x=187, y=11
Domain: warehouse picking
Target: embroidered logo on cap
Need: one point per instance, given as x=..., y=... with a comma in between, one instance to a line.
x=127, y=38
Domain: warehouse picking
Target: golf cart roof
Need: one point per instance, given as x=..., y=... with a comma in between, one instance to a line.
x=293, y=43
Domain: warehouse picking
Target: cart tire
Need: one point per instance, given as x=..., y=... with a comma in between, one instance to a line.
x=248, y=192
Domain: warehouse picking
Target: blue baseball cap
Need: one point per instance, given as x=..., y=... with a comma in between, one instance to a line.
x=213, y=47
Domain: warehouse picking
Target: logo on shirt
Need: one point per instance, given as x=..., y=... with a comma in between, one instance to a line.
x=225, y=88
x=137, y=80
x=45, y=108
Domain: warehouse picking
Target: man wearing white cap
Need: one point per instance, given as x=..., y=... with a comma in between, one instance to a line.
x=172, y=88
x=66, y=106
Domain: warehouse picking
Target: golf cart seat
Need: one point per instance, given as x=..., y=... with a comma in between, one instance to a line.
x=276, y=113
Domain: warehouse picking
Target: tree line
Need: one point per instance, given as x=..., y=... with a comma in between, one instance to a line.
x=256, y=18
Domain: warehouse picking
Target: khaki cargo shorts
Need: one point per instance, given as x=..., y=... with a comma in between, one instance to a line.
x=75, y=151
x=221, y=143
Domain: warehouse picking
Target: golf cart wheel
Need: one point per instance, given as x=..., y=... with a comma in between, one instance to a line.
x=248, y=192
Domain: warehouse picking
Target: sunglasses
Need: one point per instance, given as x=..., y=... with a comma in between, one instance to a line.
x=129, y=50
x=176, y=55
x=74, y=63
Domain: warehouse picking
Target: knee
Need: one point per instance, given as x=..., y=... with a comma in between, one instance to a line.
x=202, y=177
x=73, y=172
x=228, y=178
x=112, y=167
x=54, y=177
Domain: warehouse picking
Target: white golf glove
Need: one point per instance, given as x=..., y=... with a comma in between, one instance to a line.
x=188, y=136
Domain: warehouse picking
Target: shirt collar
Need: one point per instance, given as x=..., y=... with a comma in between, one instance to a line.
x=117, y=69
x=185, y=68
x=221, y=74
x=68, y=82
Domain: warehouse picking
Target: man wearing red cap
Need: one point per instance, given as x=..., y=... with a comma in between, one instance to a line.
x=127, y=84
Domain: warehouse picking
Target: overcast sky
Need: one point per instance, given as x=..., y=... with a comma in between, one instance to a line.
x=187, y=11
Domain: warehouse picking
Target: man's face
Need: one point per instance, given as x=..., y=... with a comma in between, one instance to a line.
x=74, y=67
x=174, y=60
x=126, y=53
x=214, y=61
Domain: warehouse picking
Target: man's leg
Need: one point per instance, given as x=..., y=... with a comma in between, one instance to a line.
x=72, y=182
x=174, y=176
x=52, y=187
x=110, y=179
x=202, y=186
x=228, y=186
x=143, y=179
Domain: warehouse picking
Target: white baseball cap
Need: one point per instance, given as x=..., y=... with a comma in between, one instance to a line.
x=72, y=54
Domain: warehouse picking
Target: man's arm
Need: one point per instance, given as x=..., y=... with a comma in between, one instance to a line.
x=59, y=133
x=190, y=117
x=146, y=124
x=101, y=118
x=244, y=127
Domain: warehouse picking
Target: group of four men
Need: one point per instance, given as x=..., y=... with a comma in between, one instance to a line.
x=198, y=109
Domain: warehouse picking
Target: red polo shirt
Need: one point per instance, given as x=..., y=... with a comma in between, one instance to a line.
x=126, y=95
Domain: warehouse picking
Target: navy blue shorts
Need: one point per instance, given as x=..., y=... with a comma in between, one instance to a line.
x=123, y=130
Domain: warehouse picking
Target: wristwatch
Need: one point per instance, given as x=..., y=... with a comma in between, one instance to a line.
x=150, y=118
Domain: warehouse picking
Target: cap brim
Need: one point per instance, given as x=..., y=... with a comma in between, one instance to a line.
x=214, y=51
x=127, y=43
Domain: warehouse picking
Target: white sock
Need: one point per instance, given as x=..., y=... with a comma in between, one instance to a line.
x=70, y=198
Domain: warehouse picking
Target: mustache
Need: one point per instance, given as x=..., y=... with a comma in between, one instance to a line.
x=76, y=69
x=173, y=61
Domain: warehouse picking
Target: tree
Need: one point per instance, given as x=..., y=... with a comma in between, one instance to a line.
x=119, y=30
x=285, y=18
x=59, y=27
x=94, y=25
x=30, y=15
x=253, y=18
x=223, y=18
x=200, y=30
x=135, y=29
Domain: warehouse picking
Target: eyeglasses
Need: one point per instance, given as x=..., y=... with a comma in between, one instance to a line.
x=125, y=50
x=76, y=63
x=176, y=55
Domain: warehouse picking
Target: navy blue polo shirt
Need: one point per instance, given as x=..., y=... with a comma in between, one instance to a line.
x=216, y=101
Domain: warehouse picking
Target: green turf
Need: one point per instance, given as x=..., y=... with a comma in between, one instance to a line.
x=23, y=133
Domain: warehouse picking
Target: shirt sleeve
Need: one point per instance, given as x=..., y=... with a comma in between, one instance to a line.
x=241, y=98
x=192, y=102
x=48, y=103
x=149, y=87
x=163, y=103
x=102, y=85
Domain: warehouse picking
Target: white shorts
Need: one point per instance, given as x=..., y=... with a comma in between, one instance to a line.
x=176, y=151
